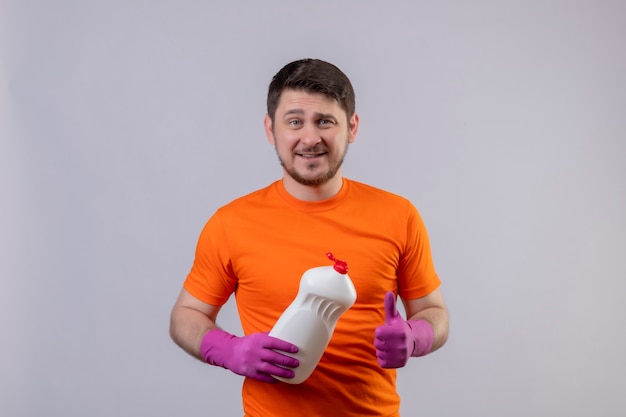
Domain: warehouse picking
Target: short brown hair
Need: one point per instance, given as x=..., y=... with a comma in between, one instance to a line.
x=314, y=76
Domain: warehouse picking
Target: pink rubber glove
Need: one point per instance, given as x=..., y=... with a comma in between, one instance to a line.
x=252, y=356
x=399, y=339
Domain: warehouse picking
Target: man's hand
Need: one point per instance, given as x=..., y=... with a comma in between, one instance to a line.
x=398, y=339
x=254, y=356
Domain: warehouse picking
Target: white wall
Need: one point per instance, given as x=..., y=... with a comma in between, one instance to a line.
x=125, y=124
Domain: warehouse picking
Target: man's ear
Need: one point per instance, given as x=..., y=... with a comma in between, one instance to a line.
x=353, y=127
x=269, y=131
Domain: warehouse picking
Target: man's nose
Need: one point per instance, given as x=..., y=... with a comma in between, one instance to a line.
x=310, y=136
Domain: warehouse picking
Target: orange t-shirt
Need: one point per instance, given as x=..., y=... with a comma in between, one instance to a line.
x=258, y=247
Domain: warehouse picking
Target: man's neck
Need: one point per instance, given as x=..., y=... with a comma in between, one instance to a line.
x=313, y=193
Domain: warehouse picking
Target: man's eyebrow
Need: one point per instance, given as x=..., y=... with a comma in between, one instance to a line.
x=300, y=112
x=325, y=116
x=294, y=111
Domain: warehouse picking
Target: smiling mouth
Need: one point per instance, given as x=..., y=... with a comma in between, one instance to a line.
x=311, y=155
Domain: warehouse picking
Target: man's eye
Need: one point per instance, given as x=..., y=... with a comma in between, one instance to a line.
x=326, y=122
x=294, y=122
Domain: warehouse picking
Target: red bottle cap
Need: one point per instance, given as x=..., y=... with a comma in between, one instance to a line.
x=340, y=266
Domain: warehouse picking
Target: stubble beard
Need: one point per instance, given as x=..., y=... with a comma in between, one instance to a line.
x=318, y=180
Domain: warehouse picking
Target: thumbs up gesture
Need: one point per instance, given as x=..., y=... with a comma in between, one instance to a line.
x=398, y=339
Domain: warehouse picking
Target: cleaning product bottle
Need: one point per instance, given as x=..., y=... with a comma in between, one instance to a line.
x=325, y=293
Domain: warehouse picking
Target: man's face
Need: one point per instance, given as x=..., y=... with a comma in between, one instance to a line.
x=311, y=134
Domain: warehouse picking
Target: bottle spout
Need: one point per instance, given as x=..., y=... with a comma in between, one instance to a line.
x=340, y=266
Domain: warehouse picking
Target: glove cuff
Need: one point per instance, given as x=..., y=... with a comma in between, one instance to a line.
x=423, y=336
x=214, y=347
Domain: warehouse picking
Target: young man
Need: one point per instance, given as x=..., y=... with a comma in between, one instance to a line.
x=258, y=246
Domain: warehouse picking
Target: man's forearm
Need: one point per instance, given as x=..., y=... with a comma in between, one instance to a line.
x=187, y=328
x=438, y=319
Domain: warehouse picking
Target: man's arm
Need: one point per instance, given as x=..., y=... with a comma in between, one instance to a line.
x=431, y=308
x=256, y=355
x=190, y=320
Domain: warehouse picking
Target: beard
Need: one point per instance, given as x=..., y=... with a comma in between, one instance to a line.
x=320, y=179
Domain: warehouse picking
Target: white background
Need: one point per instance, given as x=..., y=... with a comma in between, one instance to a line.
x=125, y=124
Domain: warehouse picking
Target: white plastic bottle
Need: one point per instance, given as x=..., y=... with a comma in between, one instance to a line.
x=325, y=293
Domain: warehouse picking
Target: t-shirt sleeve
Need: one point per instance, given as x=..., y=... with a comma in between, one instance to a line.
x=211, y=278
x=416, y=273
